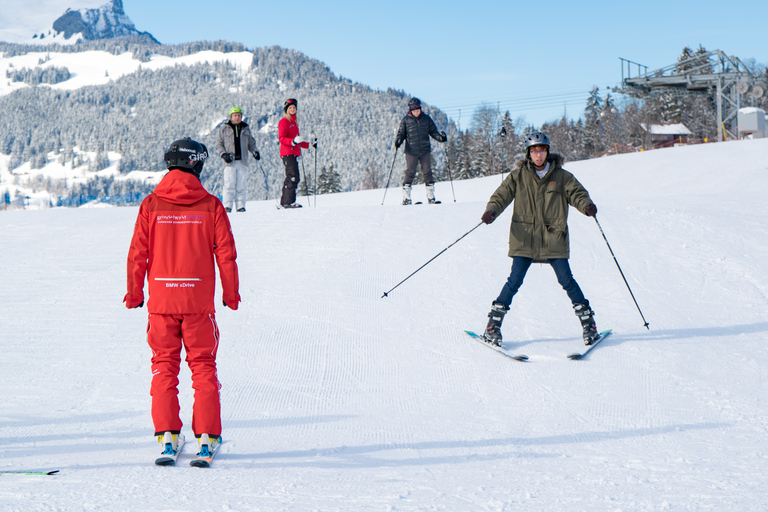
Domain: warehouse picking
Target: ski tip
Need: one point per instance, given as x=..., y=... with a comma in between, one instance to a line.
x=574, y=357
x=165, y=461
x=521, y=357
x=199, y=463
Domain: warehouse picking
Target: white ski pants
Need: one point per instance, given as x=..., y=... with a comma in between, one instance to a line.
x=235, y=184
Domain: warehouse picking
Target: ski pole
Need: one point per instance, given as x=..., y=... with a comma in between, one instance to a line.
x=622, y=274
x=448, y=168
x=386, y=294
x=390, y=176
x=502, y=134
x=266, y=182
x=315, y=155
x=306, y=183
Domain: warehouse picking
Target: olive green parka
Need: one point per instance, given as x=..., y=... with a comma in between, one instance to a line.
x=539, y=227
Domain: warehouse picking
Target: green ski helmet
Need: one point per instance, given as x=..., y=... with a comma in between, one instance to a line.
x=235, y=110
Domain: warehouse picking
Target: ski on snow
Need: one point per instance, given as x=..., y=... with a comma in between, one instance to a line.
x=479, y=338
x=600, y=337
x=30, y=473
x=169, y=456
x=208, y=451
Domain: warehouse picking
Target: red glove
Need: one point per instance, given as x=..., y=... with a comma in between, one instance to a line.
x=131, y=302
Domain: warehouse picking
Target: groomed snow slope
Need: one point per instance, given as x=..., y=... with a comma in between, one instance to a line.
x=336, y=399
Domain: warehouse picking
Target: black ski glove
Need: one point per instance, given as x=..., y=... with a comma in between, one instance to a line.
x=227, y=157
x=591, y=209
x=256, y=155
x=488, y=217
x=398, y=142
x=443, y=136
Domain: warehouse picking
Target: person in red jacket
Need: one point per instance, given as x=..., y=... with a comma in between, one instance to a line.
x=180, y=230
x=290, y=151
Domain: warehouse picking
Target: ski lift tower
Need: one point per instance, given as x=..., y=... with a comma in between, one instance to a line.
x=707, y=72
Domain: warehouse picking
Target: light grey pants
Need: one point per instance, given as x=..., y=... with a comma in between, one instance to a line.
x=235, y=184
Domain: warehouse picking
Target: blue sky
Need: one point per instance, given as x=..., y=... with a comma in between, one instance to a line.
x=535, y=59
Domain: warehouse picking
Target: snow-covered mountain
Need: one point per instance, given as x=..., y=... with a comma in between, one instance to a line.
x=64, y=21
x=334, y=399
x=107, y=21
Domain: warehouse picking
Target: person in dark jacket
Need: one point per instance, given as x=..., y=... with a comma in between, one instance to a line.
x=542, y=191
x=415, y=129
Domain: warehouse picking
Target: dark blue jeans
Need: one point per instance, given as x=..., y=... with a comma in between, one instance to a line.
x=520, y=266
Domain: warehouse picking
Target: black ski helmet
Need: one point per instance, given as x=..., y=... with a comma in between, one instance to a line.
x=289, y=102
x=187, y=155
x=414, y=104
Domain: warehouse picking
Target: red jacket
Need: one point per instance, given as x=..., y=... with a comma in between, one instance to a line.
x=286, y=132
x=179, y=230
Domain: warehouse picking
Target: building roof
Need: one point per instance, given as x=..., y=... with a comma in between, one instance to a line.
x=666, y=129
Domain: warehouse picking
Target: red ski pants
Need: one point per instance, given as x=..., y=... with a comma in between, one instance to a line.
x=200, y=336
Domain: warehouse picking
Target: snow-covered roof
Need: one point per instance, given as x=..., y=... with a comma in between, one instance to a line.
x=666, y=129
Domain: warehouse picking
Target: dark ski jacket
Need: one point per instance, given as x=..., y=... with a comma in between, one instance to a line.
x=415, y=131
x=539, y=227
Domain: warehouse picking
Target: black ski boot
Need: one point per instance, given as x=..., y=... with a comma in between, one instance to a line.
x=587, y=318
x=492, y=333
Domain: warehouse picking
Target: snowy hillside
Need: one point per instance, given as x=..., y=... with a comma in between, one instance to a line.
x=115, y=96
x=336, y=399
x=99, y=67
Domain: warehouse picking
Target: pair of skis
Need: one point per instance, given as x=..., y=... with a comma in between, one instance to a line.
x=522, y=357
x=202, y=460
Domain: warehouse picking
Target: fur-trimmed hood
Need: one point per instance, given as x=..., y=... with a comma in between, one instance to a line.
x=554, y=159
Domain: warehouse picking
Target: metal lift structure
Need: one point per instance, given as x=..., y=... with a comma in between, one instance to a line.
x=732, y=83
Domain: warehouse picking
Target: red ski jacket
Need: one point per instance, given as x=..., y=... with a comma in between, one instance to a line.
x=179, y=230
x=286, y=132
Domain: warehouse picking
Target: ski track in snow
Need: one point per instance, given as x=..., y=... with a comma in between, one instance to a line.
x=334, y=398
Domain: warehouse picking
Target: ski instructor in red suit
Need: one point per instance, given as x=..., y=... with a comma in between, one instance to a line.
x=180, y=229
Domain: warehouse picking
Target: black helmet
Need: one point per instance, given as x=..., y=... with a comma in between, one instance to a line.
x=413, y=104
x=536, y=139
x=186, y=154
x=289, y=102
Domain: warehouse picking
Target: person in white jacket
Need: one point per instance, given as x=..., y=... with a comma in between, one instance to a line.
x=233, y=144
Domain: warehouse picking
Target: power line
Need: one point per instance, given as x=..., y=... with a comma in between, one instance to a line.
x=518, y=104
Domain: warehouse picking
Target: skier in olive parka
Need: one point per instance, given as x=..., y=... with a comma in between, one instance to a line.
x=542, y=191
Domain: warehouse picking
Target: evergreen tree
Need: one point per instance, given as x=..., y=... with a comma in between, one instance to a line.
x=591, y=141
x=684, y=62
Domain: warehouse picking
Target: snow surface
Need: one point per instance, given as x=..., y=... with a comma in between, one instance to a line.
x=336, y=399
x=99, y=67
x=667, y=129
